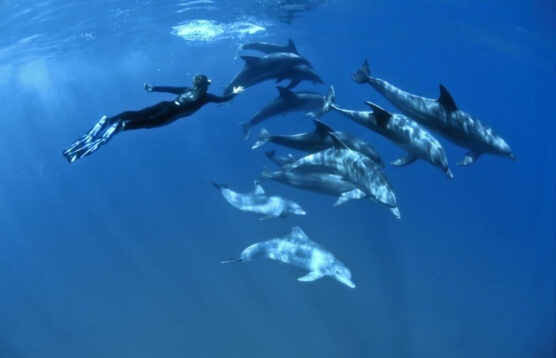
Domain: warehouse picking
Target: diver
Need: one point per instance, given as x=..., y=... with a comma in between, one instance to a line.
x=189, y=100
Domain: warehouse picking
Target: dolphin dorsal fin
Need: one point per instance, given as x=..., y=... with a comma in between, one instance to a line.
x=446, y=100
x=285, y=93
x=258, y=189
x=297, y=232
x=251, y=60
x=291, y=46
x=382, y=116
x=321, y=127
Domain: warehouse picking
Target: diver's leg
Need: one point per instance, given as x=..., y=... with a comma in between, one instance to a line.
x=102, y=132
x=154, y=116
x=150, y=117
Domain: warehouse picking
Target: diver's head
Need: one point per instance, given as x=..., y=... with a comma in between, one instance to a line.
x=201, y=82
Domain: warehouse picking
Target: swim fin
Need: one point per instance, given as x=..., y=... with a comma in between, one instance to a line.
x=101, y=133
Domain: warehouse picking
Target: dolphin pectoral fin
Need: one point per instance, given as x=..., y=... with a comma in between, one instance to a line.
x=352, y=194
x=405, y=160
x=293, y=83
x=469, y=159
x=341, y=200
x=311, y=276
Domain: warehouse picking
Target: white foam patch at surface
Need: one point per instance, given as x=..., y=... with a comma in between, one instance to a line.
x=208, y=30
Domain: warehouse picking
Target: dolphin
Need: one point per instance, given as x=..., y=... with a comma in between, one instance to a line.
x=287, y=101
x=443, y=116
x=311, y=179
x=259, y=69
x=319, y=140
x=317, y=181
x=298, y=250
x=269, y=48
x=355, y=167
x=403, y=131
x=259, y=202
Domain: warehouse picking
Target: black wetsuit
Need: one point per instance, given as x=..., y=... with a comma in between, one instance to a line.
x=189, y=101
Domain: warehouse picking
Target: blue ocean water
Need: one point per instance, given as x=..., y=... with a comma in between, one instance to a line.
x=117, y=254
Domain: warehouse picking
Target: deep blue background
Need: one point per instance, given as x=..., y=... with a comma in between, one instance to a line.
x=117, y=255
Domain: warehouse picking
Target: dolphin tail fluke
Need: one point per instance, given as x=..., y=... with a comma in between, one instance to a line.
x=329, y=100
x=362, y=75
x=246, y=129
x=264, y=136
x=238, y=259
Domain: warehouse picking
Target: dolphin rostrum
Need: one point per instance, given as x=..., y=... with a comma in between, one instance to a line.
x=260, y=203
x=441, y=115
x=298, y=250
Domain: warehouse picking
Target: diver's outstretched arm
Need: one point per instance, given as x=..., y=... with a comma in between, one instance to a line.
x=217, y=99
x=174, y=90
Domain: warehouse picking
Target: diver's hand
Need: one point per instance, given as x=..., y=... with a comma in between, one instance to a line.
x=238, y=90
x=148, y=87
